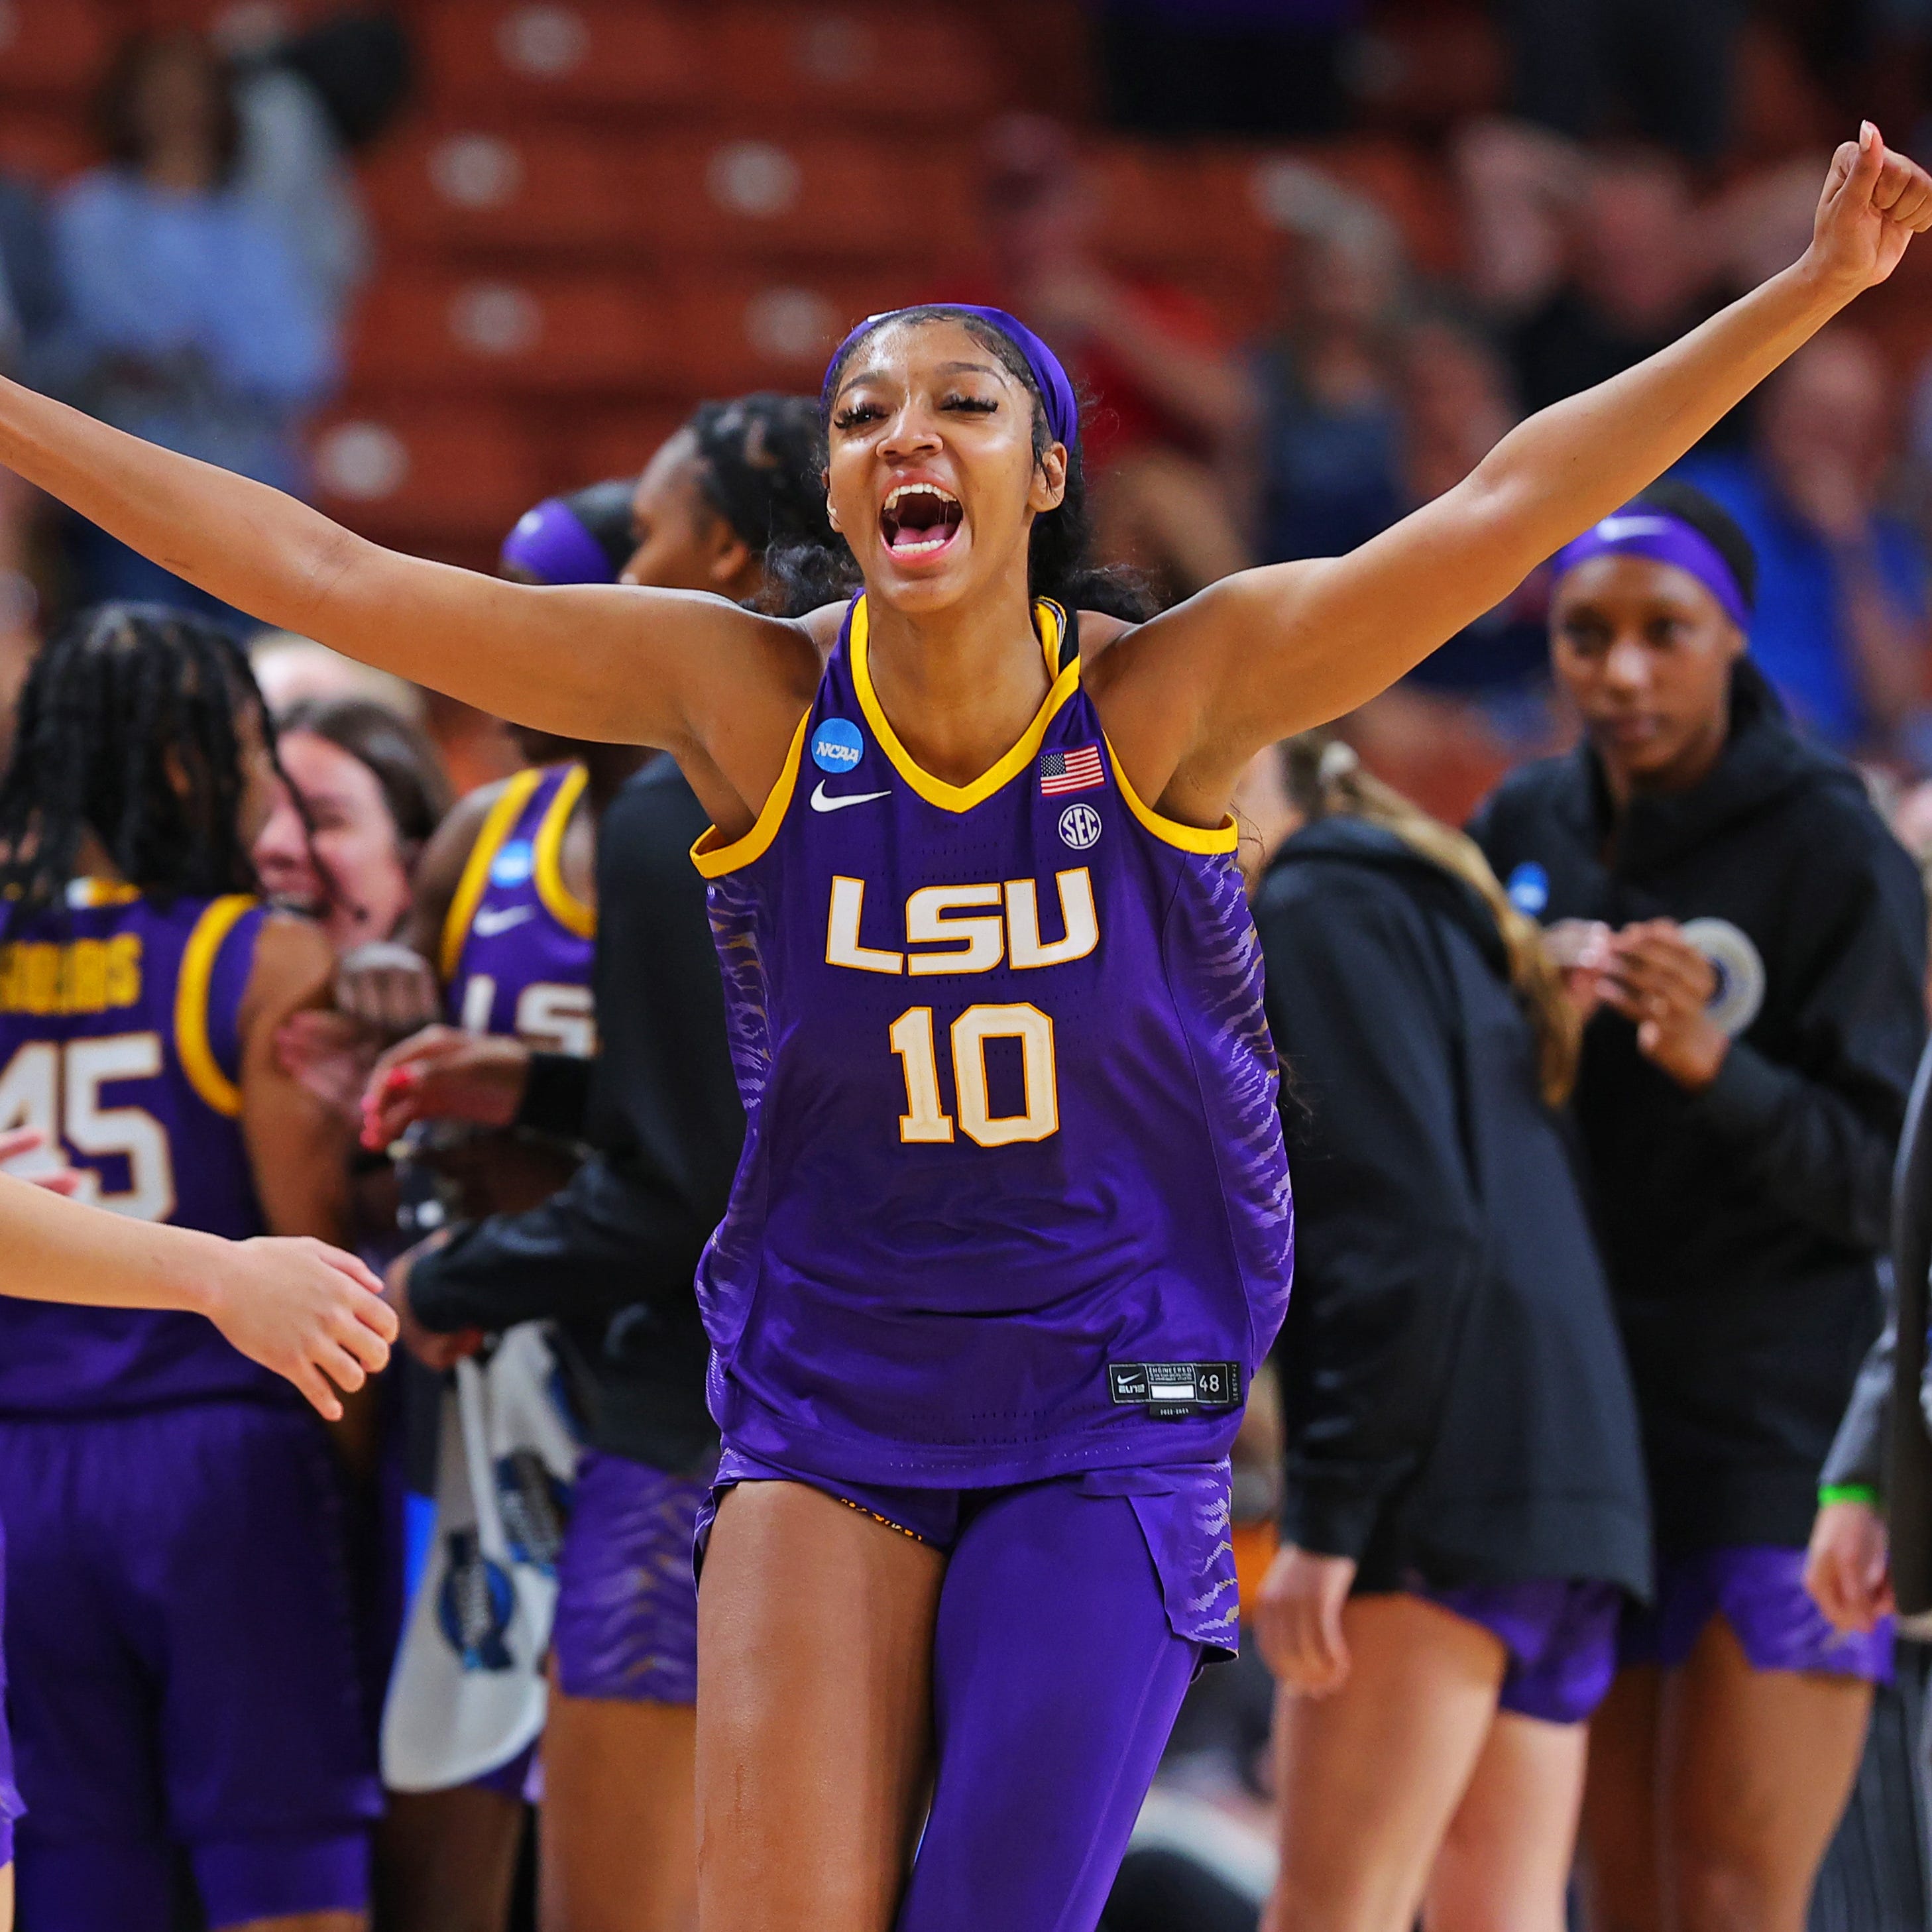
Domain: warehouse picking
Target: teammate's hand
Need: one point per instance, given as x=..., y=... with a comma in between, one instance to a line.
x=1663, y=985
x=1581, y=950
x=444, y=1074
x=330, y=1056
x=387, y=987
x=18, y=1142
x=1298, y=1620
x=433, y=1351
x=308, y=1311
x=1848, y=1567
x=1873, y=203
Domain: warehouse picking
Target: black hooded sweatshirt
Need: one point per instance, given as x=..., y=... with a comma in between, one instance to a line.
x=1457, y=1406
x=1740, y=1225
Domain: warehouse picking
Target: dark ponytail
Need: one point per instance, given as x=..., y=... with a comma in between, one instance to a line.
x=1060, y=561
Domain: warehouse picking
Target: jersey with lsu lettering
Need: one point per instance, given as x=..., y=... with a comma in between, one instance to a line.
x=1013, y=1201
x=120, y=1039
x=517, y=943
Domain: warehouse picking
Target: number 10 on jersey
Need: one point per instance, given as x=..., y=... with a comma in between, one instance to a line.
x=925, y=1119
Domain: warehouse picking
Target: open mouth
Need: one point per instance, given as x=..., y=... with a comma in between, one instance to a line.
x=920, y=519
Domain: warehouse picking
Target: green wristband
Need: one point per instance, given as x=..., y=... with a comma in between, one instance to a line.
x=1848, y=1492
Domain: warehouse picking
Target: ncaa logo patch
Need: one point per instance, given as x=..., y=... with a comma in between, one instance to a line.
x=512, y=865
x=1079, y=827
x=836, y=745
x=1528, y=888
x=1740, y=968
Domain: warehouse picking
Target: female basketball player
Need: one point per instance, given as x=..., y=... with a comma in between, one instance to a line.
x=613, y=1255
x=307, y=1311
x=184, y=1682
x=1465, y=1494
x=1757, y=939
x=1005, y=1247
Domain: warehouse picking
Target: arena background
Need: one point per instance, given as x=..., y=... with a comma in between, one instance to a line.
x=582, y=218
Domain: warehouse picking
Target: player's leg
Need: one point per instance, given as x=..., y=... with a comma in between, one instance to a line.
x=1368, y=1778
x=815, y=1643
x=446, y=1861
x=1758, y=1765
x=1619, y=1867
x=1056, y=1676
x=1504, y=1863
x=619, y=1826
x=6, y=1893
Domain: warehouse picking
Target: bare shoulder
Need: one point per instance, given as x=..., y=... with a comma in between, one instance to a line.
x=294, y=966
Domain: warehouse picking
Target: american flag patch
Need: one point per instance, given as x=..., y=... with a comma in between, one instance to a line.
x=1077, y=770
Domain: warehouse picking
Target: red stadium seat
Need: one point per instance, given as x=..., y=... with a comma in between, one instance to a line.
x=591, y=444
x=453, y=333
x=739, y=332
x=841, y=195
x=54, y=46
x=853, y=62
x=525, y=55
x=466, y=186
x=404, y=472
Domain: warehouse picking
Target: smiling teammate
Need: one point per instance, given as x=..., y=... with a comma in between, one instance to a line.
x=1011, y=1230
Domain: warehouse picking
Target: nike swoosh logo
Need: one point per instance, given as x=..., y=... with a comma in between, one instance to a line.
x=488, y=923
x=823, y=800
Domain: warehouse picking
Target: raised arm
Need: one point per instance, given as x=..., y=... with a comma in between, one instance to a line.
x=1276, y=650
x=608, y=662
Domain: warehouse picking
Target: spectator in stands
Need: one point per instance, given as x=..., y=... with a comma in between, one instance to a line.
x=1174, y=409
x=1331, y=429
x=1842, y=624
x=194, y=325
x=1589, y=66
x=1629, y=276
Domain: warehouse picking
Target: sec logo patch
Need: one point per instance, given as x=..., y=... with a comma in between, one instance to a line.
x=1079, y=826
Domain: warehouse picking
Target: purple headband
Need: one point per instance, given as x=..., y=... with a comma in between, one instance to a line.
x=1636, y=530
x=1062, y=408
x=550, y=543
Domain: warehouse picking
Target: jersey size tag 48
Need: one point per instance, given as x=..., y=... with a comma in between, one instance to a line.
x=1174, y=1389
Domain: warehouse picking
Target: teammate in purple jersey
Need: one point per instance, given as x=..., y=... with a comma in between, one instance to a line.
x=183, y=1684
x=1038, y=1634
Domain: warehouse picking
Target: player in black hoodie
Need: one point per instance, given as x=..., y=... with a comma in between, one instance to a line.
x=1753, y=941
x=1464, y=1503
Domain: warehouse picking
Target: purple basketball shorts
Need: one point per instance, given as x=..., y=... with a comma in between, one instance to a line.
x=1759, y=1589
x=184, y=1680
x=10, y=1807
x=1561, y=1634
x=1073, y=1614
x=627, y=1603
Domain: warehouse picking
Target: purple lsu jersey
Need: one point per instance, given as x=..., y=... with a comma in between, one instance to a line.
x=120, y=1039
x=517, y=943
x=1013, y=1201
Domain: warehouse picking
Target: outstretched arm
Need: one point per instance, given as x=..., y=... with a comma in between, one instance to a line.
x=306, y=1310
x=606, y=662
x=1276, y=650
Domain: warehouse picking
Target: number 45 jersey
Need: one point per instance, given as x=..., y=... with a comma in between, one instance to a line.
x=1013, y=1201
x=120, y=1039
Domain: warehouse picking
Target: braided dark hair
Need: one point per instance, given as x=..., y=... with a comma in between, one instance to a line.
x=1060, y=562
x=128, y=728
x=761, y=464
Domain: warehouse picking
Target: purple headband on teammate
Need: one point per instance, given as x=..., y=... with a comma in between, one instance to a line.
x=550, y=543
x=1063, y=408
x=1636, y=530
